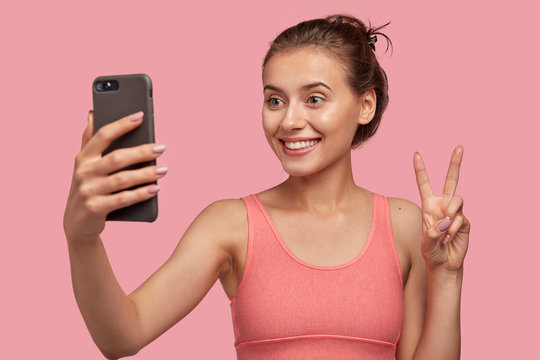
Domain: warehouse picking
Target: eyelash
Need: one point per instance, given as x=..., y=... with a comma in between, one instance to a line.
x=269, y=101
x=317, y=97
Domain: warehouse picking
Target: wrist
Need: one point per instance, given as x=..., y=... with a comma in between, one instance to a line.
x=74, y=239
x=443, y=274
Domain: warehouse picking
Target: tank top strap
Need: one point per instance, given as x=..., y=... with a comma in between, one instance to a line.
x=385, y=236
x=256, y=216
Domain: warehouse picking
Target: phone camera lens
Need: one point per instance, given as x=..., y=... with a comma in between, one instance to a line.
x=110, y=85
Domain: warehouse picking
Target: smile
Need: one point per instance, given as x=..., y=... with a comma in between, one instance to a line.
x=300, y=145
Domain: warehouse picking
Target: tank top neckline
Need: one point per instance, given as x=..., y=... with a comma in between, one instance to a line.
x=321, y=267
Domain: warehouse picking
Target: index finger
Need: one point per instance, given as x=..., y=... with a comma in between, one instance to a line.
x=422, y=180
x=452, y=176
x=110, y=132
x=87, y=134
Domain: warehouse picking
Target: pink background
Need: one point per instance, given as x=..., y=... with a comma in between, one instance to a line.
x=461, y=72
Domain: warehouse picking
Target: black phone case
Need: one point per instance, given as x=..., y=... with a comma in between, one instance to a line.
x=134, y=93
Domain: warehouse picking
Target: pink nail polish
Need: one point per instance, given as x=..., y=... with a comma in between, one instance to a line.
x=137, y=116
x=162, y=170
x=446, y=239
x=158, y=149
x=153, y=189
x=445, y=224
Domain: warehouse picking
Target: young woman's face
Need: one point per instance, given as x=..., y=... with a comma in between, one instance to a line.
x=310, y=115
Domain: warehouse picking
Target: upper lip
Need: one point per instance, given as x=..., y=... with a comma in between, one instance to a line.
x=296, y=139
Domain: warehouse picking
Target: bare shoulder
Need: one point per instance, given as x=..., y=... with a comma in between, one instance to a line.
x=223, y=226
x=406, y=216
x=227, y=213
x=407, y=230
x=228, y=219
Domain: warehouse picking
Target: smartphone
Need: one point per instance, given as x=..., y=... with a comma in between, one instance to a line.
x=114, y=97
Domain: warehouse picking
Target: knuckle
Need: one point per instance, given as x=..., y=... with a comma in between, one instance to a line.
x=144, y=152
x=123, y=198
x=78, y=160
x=84, y=192
x=433, y=232
x=92, y=206
x=104, y=135
x=80, y=176
x=115, y=159
x=121, y=180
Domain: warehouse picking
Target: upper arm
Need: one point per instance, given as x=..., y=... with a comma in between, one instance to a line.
x=407, y=229
x=203, y=254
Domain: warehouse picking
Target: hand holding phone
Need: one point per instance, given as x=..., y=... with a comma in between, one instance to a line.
x=98, y=187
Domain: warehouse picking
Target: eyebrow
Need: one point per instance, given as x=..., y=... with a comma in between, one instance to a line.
x=303, y=88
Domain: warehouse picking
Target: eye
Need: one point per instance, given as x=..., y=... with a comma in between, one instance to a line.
x=315, y=100
x=274, y=102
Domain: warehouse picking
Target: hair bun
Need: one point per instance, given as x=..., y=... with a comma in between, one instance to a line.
x=372, y=40
x=368, y=32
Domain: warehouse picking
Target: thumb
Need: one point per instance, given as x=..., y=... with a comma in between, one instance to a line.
x=89, y=131
x=438, y=229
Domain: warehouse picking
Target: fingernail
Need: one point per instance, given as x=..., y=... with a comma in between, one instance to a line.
x=153, y=189
x=162, y=170
x=446, y=239
x=445, y=224
x=137, y=116
x=158, y=149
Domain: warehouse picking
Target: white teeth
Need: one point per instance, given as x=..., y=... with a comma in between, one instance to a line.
x=300, y=144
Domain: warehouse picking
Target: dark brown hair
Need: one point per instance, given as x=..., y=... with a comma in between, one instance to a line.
x=352, y=43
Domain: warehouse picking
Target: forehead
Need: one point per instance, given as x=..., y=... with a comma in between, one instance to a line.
x=293, y=68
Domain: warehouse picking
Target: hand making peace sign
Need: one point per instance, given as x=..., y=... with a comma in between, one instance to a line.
x=445, y=230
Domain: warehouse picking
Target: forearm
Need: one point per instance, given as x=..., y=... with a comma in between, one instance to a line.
x=441, y=335
x=109, y=314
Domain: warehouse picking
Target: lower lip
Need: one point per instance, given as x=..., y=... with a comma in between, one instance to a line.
x=301, y=152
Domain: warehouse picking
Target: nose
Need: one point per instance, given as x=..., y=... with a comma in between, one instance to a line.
x=295, y=118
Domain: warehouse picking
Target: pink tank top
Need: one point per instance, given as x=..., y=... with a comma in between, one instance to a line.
x=285, y=308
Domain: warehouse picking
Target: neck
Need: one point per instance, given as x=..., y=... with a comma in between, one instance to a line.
x=326, y=191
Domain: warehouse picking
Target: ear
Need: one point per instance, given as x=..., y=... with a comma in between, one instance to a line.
x=368, y=103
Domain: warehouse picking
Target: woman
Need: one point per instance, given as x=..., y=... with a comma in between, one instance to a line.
x=315, y=267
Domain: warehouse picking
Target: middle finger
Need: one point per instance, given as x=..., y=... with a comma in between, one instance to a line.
x=128, y=179
x=452, y=176
x=455, y=206
x=121, y=158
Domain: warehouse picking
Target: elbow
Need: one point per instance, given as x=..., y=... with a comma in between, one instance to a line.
x=114, y=355
x=119, y=352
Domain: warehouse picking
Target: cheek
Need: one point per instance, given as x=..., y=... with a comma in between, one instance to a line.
x=270, y=126
x=270, y=123
x=337, y=122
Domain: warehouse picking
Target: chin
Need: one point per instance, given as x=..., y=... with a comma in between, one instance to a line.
x=298, y=170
